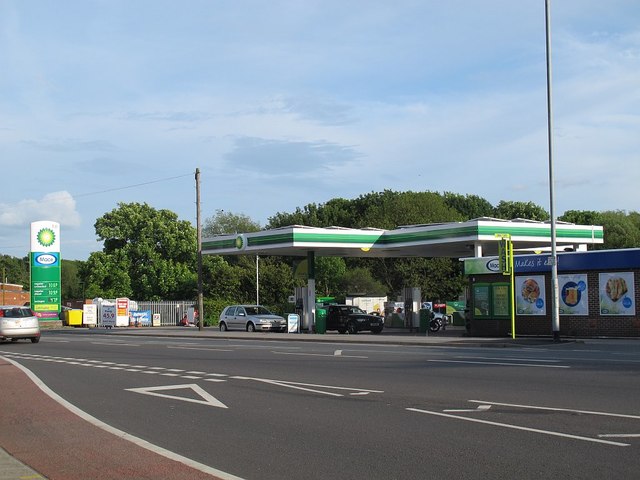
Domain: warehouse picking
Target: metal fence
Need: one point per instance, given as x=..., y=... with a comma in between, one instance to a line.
x=171, y=312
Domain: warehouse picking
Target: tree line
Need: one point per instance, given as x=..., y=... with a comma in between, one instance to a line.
x=150, y=254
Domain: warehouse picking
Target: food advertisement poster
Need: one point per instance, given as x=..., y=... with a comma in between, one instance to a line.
x=530, y=296
x=617, y=294
x=573, y=294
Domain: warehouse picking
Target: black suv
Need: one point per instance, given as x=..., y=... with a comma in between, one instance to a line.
x=349, y=318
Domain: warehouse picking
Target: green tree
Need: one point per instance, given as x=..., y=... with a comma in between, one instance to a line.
x=529, y=210
x=15, y=270
x=226, y=222
x=220, y=279
x=148, y=254
x=582, y=217
x=72, y=281
x=469, y=206
x=359, y=281
x=329, y=273
x=620, y=230
x=276, y=281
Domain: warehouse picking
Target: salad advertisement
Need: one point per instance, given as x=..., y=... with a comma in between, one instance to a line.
x=574, y=299
x=617, y=294
x=530, y=296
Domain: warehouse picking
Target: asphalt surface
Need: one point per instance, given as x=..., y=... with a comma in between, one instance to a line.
x=46, y=438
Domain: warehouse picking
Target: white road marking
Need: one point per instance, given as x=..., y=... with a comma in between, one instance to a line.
x=302, y=386
x=505, y=364
x=554, y=409
x=481, y=408
x=176, y=372
x=202, y=348
x=517, y=427
x=620, y=435
x=337, y=353
x=207, y=398
x=318, y=354
x=117, y=344
x=511, y=359
x=124, y=435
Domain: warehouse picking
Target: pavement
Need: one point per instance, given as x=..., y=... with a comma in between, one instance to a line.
x=39, y=437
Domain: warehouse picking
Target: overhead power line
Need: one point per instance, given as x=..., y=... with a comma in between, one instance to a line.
x=133, y=186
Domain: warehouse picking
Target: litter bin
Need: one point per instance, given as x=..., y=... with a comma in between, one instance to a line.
x=321, y=320
x=74, y=317
x=425, y=317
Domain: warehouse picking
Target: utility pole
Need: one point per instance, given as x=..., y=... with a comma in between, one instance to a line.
x=199, y=227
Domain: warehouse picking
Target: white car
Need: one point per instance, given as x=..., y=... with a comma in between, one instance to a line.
x=251, y=318
x=18, y=322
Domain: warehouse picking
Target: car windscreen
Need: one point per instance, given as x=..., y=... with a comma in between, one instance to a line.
x=16, y=312
x=353, y=310
x=257, y=311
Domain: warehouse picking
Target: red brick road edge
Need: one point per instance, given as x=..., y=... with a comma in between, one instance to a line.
x=59, y=444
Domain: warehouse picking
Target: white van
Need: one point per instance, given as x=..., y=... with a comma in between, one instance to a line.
x=18, y=322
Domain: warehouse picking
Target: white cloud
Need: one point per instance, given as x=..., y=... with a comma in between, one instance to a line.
x=57, y=206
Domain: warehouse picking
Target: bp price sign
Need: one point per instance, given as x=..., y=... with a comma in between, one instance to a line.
x=45, y=269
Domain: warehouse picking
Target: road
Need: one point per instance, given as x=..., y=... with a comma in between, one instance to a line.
x=285, y=409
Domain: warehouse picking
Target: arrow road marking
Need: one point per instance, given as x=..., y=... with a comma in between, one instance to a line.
x=208, y=399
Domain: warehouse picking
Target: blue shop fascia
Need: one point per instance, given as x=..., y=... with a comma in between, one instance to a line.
x=597, y=289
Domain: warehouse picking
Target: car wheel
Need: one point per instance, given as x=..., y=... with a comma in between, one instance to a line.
x=376, y=330
x=35, y=339
x=251, y=327
x=223, y=327
x=352, y=328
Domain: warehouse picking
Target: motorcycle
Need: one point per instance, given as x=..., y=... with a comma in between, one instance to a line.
x=438, y=321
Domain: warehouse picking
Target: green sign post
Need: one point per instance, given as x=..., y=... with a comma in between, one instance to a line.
x=45, y=262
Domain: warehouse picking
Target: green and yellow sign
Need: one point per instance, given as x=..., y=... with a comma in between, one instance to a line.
x=45, y=269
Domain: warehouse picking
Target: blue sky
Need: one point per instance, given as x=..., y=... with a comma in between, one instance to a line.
x=283, y=103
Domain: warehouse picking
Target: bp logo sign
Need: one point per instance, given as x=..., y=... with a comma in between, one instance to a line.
x=46, y=237
x=240, y=242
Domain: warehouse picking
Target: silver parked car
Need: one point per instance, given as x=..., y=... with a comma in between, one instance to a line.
x=250, y=318
x=18, y=322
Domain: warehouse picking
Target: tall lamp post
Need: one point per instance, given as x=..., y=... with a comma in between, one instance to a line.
x=199, y=230
x=555, y=298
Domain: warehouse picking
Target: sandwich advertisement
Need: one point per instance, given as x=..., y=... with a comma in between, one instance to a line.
x=530, y=295
x=617, y=294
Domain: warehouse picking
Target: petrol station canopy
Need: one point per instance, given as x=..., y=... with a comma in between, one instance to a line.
x=474, y=238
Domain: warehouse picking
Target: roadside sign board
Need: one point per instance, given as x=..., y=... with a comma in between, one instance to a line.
x=293, y=323
x=90, y=314
x=108, y=315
